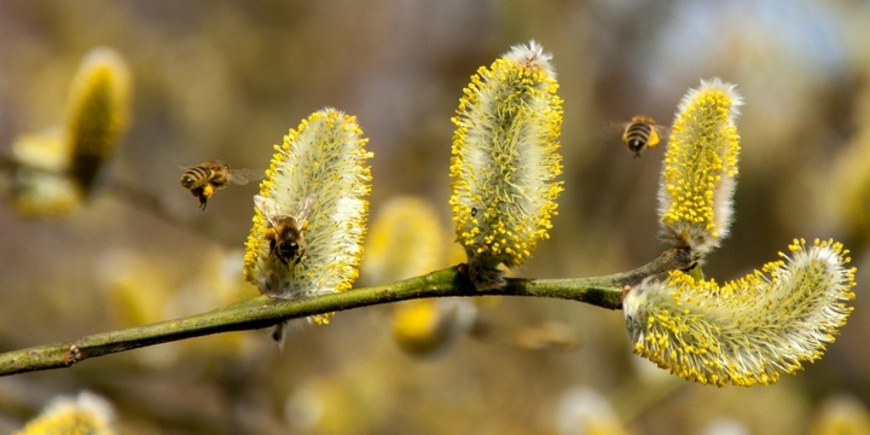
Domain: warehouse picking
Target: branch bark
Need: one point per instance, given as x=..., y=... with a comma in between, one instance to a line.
x=262, y=312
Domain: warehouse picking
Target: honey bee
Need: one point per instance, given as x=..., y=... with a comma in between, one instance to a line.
x=206, y=178
x=286, y=234
x=640, y=133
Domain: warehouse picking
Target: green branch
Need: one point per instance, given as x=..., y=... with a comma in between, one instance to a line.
x=262, y=311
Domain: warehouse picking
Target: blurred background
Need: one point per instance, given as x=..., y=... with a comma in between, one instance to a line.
x=226, y=80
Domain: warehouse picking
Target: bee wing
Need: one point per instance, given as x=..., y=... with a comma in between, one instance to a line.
x=266, y=206
x=610, y=129
x=211, y=164
x=269, y=208
x=305, y=207
x=243, y=176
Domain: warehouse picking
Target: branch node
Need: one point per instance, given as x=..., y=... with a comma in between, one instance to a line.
x=73, y=355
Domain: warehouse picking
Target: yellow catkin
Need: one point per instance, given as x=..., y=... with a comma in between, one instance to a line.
x=322, y=168
x=86, y=414
x=60, y=166
x=97, y=114
x=39, y=187
x=505, y=161
x=429, y=327
x=841, y=415
x=406, y=239
x=698, y=178
x=748, y=331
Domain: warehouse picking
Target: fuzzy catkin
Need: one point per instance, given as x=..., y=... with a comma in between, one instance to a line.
x=700, y=168
x=321, y=167
x=750, y=330
x=505, y=161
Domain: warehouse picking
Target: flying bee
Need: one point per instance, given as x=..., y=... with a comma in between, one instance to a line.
x=286, y=234
x=641, y=132
x=206, y=178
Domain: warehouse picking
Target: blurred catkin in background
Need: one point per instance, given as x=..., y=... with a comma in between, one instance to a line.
x=224, y=80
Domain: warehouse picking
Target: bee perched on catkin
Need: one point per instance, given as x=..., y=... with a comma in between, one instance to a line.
x=750, y=330
x=700, y=168
x=310, y=215
x=505, y=161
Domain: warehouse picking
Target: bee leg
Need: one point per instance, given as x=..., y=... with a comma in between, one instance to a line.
x=272, y=245
x=278, y=333
x=207, y=192
x=200, y=195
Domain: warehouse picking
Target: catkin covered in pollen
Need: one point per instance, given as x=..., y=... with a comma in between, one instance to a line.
x=322, y=168
x=505, y=161
x=748, y=331
x=698, y=179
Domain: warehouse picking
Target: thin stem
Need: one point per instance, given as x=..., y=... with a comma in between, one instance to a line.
x=261, y=312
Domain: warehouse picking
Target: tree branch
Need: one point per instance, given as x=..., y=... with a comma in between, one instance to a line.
x=262, y=311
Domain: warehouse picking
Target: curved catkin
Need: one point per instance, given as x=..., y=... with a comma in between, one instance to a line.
x=748, y=331
x=320, y=172
x=97, y=114
x=698, y=178
x=505, y=161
